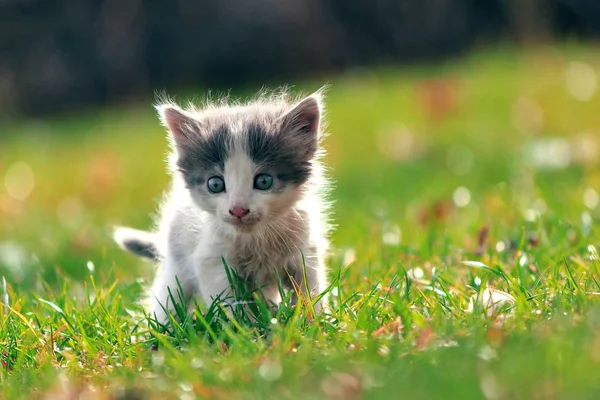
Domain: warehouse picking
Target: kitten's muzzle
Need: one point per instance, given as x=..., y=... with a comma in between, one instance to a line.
x=242, y=218
x=239, y=212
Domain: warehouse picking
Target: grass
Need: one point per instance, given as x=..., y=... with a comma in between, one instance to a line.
x=451, y=180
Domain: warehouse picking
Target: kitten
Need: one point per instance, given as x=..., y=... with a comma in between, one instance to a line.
x=248, y=188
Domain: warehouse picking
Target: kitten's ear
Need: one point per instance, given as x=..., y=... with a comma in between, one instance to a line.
x=301, y=125
x=184, y=128
x=305, y=117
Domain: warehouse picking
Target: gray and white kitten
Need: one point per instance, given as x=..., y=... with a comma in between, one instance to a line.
x=248, y=188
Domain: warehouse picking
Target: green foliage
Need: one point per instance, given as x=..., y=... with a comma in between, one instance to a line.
x=473, y=180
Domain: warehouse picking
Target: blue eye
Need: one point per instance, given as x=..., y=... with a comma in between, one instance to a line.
x=216, y=184
x=263, y=182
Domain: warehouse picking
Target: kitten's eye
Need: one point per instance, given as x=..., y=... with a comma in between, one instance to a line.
x=263, y=182
x=216, y=184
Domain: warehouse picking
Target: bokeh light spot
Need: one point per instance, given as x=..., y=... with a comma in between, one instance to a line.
x=19, y=181
x=581, y=80
x=461, y=196
x=590, y=198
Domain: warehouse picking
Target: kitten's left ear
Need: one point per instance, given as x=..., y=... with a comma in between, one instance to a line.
x=301, y=125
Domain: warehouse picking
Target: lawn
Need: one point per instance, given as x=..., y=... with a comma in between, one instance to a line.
x=451, y=180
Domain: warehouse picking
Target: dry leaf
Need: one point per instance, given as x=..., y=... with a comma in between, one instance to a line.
x=438, y=97
x=223, y=347
x=202, y=390
x=424, y=338
x=392, y=327
x=495, y=335
x=482, y=236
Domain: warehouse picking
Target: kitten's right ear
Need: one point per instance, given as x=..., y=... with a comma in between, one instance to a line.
x=301, y=126
x=184, y=128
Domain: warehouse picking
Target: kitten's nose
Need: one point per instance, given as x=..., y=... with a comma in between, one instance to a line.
x=238, y=211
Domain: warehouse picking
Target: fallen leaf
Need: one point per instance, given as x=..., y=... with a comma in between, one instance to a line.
x=202, y=390
x=424, y=338
x=392, y=327
x=482, y=236
x=223, y=347
x=533, y=241
x=438, y=97
x=495, y=335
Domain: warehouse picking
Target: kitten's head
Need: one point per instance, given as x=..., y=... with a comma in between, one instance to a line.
x=246, y=164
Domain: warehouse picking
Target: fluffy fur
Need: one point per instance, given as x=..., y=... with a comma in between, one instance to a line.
x=286, y=226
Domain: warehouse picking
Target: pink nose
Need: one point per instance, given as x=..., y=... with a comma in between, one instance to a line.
x=239, y=211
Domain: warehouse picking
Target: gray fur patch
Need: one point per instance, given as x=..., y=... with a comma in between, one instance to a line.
x=278, y=136
x=142, y=249
x=140, y=243
x=208, y=154
x=272, y=151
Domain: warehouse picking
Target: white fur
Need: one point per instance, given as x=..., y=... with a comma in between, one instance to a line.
x=196, y=231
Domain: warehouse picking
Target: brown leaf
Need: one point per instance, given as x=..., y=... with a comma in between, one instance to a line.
x=442, y=210
x=5, y=362
x=424, y=338
x=392, y=327
x=423, y=216
x=533, y=241
x=482, y=236
x=533, y=269
x=223, y=347
x=58, y=331
x=292, y=349
x=438, y=97
x=495, y=335
x=438, y=212
x=202, y=391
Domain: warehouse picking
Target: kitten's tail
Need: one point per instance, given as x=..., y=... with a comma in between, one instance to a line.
x=140, y=243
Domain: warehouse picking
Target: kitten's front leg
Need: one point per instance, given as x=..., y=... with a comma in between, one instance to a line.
x=213, y=280
x=271, y=296
x=172, y=280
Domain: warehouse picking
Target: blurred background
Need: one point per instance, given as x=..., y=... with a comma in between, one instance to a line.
x=445, y=115
x=60, y=55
